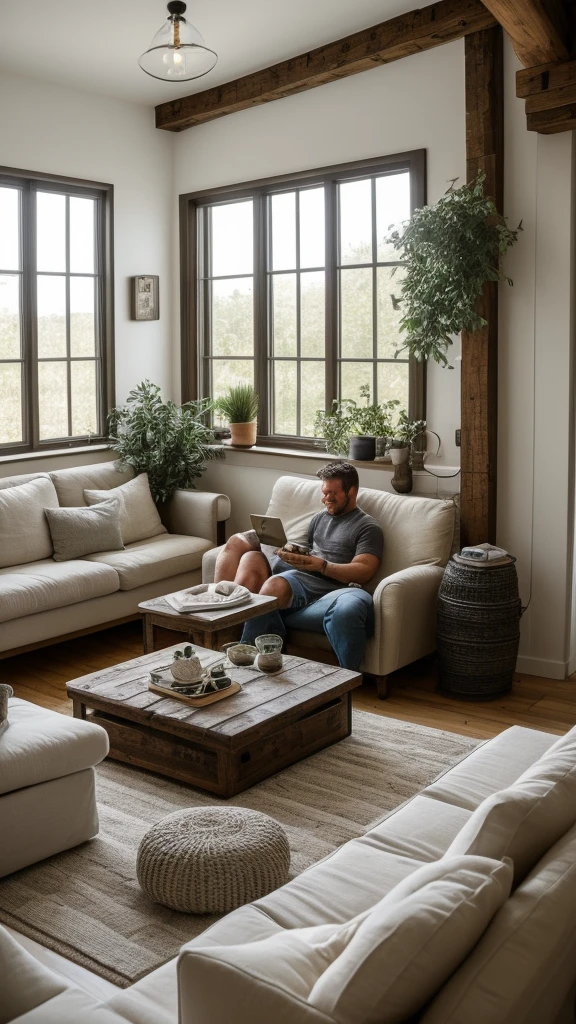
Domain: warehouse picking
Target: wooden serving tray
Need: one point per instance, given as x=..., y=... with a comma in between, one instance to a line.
x=197, y=702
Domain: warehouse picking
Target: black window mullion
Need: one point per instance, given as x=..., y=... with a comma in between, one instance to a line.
x=331, y=299
x=205, y=370
x=30, y=322
x=262, y=314
x=68, y=339
x=374, y=294
x=298, y=324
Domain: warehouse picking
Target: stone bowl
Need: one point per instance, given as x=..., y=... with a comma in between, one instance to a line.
x=241, y=654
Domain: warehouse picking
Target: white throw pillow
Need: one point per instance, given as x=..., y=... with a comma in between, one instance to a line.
x=24, y=533
x=139, y=517
x=525, y=820
x=412, y=940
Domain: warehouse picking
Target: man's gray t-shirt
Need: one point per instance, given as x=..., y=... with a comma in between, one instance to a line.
x=337, y=539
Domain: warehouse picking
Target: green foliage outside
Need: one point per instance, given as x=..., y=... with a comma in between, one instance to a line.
x=169, y=442
x=233, y=334
x=448, y=252
x=52, y=377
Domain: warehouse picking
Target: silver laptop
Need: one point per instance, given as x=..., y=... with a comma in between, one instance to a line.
x=269, y=530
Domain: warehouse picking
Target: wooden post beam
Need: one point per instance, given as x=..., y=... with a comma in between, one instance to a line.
x=550, y=94
x=539, y=29
x=479, y=387
x=400, y=37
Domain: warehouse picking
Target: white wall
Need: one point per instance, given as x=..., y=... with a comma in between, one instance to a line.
x=414, y=103
x=535, y=465
x=417, y=103
x=51, y=129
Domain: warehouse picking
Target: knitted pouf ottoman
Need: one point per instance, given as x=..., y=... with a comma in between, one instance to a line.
x=206, y=860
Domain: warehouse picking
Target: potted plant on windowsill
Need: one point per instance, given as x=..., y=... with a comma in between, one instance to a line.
x=240, y=408
x=356, y=430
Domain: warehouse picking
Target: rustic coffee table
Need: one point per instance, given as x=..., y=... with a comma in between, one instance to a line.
x=274, y=721
x=210, y=629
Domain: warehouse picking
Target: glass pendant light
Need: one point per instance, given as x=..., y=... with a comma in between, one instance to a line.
x=177, y=52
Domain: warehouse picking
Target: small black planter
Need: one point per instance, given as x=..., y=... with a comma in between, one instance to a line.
x=362, y=448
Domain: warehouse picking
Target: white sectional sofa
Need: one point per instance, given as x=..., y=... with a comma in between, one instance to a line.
x=42, y=599
x=249, y=968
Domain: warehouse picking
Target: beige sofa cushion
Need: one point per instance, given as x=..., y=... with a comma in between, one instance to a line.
x=70, y=483
x=155, y=558
x=523, y=966
x=80, y=531
x=39, y=745
x=40, y=586
x=523, y=821
x=376, y=968
x=139, y=517
x=24, y=533
x=403, y=950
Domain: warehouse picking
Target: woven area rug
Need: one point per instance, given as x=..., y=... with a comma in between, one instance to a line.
x=86, y=903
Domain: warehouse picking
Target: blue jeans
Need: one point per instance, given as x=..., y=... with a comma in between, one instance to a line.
x=345, y=615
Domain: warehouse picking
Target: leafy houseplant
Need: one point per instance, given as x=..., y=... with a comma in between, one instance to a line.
x=171, y=443
x=449, y=251
x=240, y=408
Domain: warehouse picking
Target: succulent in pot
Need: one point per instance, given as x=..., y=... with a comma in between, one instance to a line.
x=186, y=667
x=240, y=408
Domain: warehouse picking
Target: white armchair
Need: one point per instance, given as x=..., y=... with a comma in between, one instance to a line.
x=418, y=535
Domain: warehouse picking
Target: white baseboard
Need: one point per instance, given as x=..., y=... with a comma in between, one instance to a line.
x=542, y=667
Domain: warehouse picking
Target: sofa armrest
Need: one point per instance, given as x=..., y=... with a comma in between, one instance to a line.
x=195, y=513
x=26, y=983
x=212, y=988
x=405, y=619
x=209, y=564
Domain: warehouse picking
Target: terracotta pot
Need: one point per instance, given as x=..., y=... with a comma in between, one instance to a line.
x=243, y=434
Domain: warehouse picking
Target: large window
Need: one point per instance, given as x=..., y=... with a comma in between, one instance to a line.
x=55, y=312
x=291, y=285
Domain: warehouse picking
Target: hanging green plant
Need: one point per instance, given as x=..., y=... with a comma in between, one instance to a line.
x=449, y=251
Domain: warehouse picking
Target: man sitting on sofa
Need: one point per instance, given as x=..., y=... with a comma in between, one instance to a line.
x=313, y=590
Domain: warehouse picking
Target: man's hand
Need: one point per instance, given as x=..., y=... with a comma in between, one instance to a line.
x=308, y=563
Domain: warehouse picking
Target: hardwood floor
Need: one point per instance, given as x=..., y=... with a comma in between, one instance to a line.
x=40, y=676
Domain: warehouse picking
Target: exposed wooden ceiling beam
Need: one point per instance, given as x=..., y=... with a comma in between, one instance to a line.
x=539, y=29
x=400, y=37
x=550, y=94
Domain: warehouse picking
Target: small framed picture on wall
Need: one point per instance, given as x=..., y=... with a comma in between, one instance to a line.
x=145, y=305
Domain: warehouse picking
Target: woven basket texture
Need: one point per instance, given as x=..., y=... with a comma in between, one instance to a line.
x=208, y=860
x=478, y=629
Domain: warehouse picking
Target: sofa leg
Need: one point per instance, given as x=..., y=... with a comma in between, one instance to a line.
x=382, y=687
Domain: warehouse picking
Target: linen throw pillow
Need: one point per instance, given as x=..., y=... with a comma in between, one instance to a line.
x=404, y=950
x=24, y=533
x=378, y=968
x=525, y=820
x=82, y=531
x=139, y=517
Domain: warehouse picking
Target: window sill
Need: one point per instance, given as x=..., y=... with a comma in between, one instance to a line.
x=53, y=453
x=300, y=453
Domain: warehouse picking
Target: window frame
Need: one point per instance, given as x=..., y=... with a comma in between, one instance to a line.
x=191, y=307
x=31, y=182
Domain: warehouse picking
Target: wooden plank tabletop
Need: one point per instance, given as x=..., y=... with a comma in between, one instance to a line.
x=123, y=691
x=218, y=617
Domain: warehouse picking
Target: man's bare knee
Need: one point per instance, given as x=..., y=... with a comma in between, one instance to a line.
x=275, y=586
x=241, y=544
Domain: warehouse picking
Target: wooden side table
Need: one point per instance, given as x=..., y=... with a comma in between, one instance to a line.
x=210, y=629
